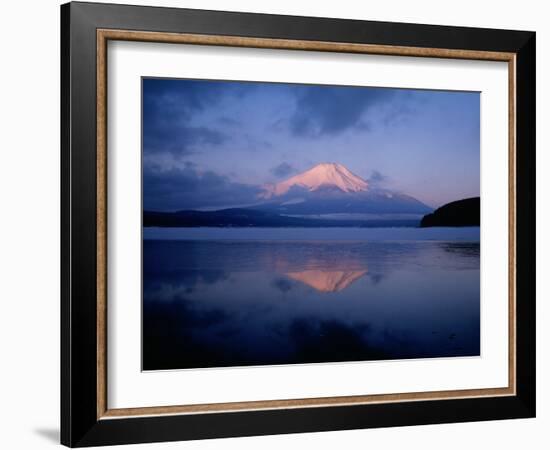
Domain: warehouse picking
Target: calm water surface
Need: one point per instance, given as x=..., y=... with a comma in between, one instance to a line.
x=219, y=297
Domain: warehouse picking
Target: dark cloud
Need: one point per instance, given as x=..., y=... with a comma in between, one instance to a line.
x=254, y=143
x=332, y=340
x=377, y=178
x=180, y=321
x=376, y=278
x=168, y=109
x=164, y=265
x=182, y=139
x=283, y=285
x=324, y=110
x=401, y=111
x=228, y=121
x=186, y=188
x=283, y=170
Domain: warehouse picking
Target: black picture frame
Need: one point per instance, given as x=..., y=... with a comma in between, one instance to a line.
x=80, y=425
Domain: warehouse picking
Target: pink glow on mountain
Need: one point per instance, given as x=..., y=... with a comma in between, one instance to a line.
x=321, y=176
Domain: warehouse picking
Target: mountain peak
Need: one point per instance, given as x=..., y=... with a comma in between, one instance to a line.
x=327, y=174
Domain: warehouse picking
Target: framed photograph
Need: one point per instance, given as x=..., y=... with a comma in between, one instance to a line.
x=276, y=224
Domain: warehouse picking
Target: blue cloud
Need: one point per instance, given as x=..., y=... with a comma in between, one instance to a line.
x=283, y=170
x=186, y=188
x=255, y=132
x=169, y=107
x=330, y=110
x=377, y=177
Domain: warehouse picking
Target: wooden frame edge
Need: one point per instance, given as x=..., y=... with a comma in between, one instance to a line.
x=289, y=44
x=101, y=224
x=512, y=211
x=103, y=36
x=260, y=405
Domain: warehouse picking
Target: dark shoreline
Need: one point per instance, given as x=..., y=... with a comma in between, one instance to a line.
x=246, y=218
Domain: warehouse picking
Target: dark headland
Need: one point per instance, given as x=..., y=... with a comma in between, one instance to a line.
x=461, y=213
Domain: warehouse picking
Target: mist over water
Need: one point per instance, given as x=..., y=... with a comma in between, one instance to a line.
x=446, y=234
x=238, y=297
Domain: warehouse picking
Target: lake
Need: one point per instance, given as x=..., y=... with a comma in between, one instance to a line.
x=218, y=297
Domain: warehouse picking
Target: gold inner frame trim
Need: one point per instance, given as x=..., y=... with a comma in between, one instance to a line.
x=103, y=36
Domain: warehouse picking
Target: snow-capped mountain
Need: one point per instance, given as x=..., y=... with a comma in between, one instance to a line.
x=324, y=175
x=331, y=188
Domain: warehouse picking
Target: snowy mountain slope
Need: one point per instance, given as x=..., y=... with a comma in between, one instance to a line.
x=331, y=188
x=322, y=175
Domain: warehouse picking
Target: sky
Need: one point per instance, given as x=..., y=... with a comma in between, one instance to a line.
x=212, y=144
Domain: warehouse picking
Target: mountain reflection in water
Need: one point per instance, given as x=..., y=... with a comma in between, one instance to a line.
x=327, y=280
x=239, y=303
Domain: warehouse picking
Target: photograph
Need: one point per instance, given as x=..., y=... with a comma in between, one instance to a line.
x=301, y=223
x=279, y=223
